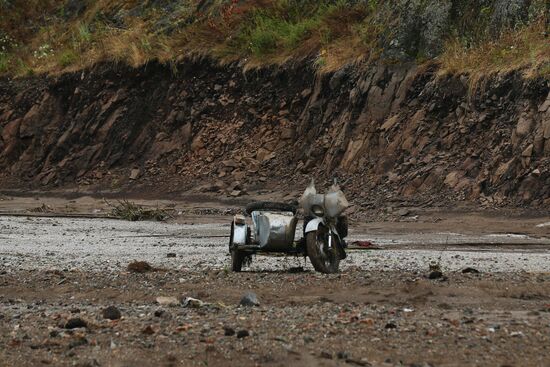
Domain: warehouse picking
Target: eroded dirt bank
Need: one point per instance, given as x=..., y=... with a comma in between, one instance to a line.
x=391, y=133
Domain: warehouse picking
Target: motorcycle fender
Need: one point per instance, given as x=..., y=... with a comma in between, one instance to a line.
x=239, y=232
x=313, y=224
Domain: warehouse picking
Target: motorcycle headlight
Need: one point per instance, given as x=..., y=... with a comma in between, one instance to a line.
x=318, y=210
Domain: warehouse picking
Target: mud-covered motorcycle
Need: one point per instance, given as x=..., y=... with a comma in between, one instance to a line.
x=271, y=228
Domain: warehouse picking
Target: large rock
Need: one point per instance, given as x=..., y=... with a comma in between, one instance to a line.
x=508, y=14
x=420, y=28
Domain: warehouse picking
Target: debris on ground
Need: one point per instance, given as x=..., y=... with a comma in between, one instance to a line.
x=127, y=210
x=42, y=209
x=140, y=267
x=192, y=302
x=364, y=245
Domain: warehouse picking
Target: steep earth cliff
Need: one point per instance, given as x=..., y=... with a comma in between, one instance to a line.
x=388, y=132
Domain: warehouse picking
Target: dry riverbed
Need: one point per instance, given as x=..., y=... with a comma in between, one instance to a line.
x=58, y=275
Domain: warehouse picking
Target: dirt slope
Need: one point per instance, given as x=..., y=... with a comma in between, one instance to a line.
x=389, y=132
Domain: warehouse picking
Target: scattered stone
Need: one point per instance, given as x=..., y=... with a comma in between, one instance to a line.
x=435, y=271
x=343, y=355
x=228, y=331
x=236, y=193
x=249, y=300
x=134, y=174
x=167, y=301
x=171, y=254
x=435, y=274
x=470, y=270
x=242, y=334
x=76, y=322
x=391, y=325
x=54, y=334
x=111, y=313
x=160, y=313
x=139, y=267
x=148, y=330
x=77, y=342
x=403, y=212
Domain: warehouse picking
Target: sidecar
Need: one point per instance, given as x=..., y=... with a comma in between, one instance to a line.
x=269, y=227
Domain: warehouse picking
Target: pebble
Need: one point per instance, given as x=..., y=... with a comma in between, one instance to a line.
x=148, y=330
x=228, y=331
x=243, y=334
x=77, y=342
x=139, y=267
x=249, y=300
x=391, y=325
x=111, y=313
x=167, y=301
x=76, y=322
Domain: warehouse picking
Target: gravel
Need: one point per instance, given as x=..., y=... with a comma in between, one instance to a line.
x=110, y=245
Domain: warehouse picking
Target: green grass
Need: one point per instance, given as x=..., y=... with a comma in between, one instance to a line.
x=330, y=33
x=4, y=62
x=67, y=58
x=285, y=26
x=84, y=34
x=270, y=34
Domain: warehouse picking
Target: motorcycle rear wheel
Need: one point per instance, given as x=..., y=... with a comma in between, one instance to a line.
x=324, y=260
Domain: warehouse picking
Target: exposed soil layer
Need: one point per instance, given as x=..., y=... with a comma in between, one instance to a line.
x=390, y=133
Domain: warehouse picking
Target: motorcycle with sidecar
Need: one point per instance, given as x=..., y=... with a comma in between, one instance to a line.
x=270, y=227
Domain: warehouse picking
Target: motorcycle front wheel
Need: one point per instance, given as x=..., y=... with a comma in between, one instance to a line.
x=324, y=259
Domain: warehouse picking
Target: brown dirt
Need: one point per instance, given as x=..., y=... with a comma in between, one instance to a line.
x=304, y=318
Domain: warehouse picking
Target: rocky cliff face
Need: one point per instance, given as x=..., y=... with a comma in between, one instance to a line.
x=388, y=132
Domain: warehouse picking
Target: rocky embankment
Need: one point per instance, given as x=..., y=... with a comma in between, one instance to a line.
x=390, y=132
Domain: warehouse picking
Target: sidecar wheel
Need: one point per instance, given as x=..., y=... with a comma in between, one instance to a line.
x=237, y=260
x=323, y=260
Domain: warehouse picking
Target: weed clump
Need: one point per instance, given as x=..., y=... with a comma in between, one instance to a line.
x=130, y=211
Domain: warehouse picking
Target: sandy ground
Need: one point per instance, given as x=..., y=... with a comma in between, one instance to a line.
x=381, y=310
